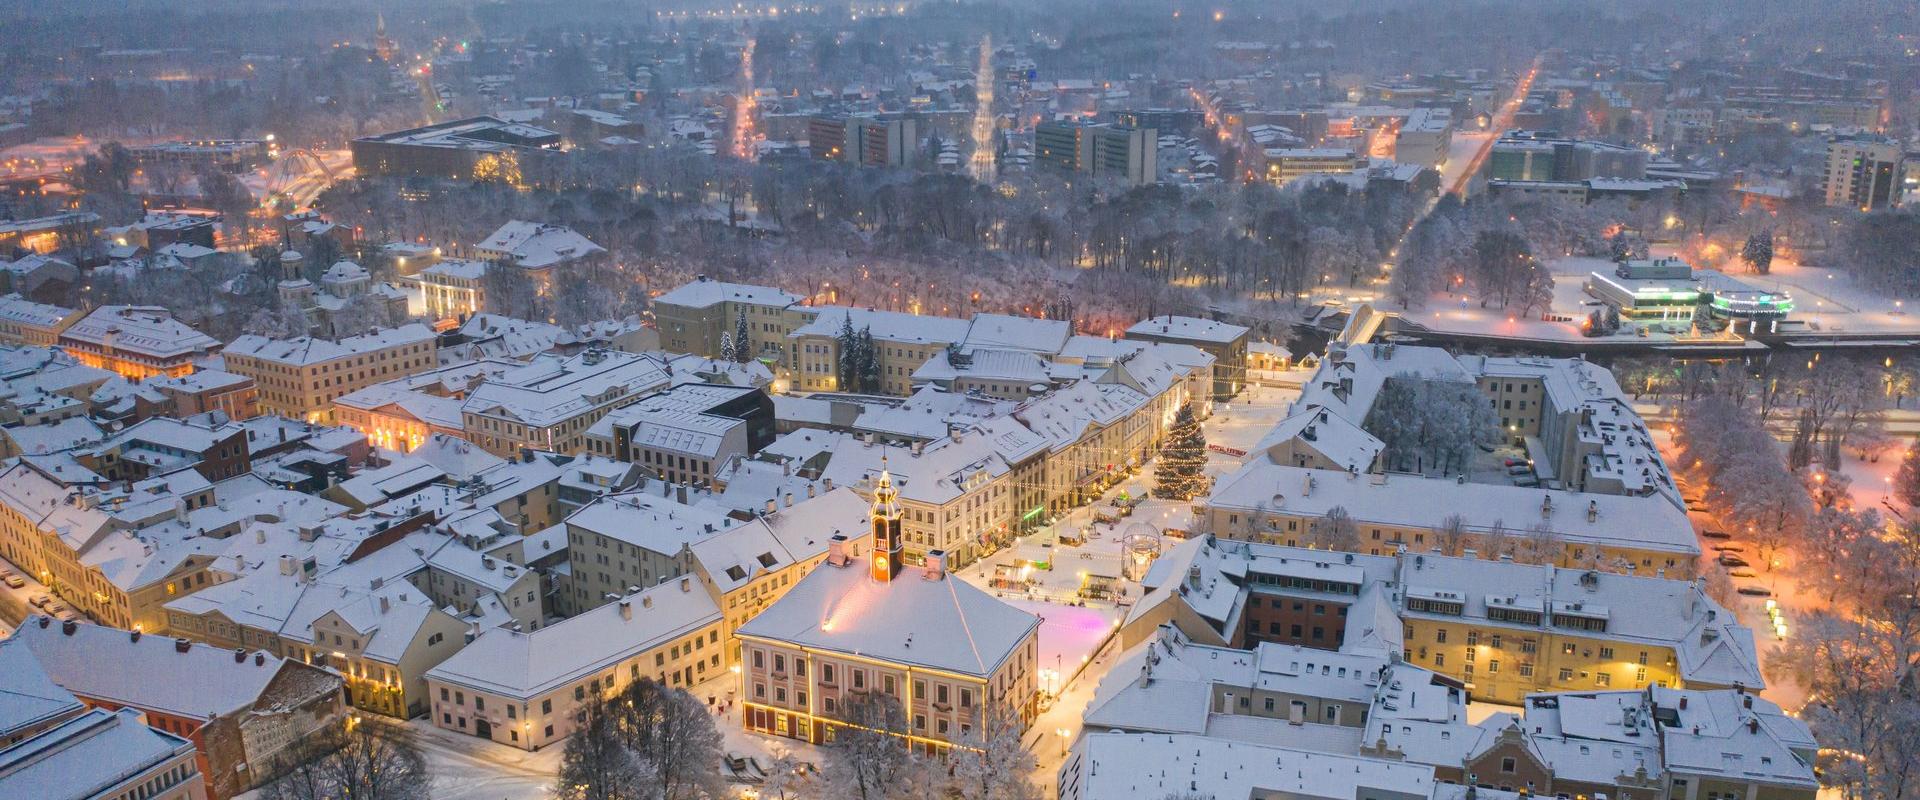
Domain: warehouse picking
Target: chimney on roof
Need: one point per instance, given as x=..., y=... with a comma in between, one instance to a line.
x=626, y=609
x=809, y=488
x=181, y=645
x=385, y=604
x=1683, y=702
x=686, y=583
x=69, y=626
x=789, y=499
x=1593, y=510
x=239, y=655
x=1746, y=701
x=771, y=505
x=1753, y=725
x=828, y=483
x=259, y=659
x=837, y=550
x=935, y=564
x=133, y=635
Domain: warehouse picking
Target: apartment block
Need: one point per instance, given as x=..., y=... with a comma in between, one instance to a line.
x=300, y=378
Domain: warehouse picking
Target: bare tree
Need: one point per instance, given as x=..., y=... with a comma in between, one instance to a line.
x=1450, y=538
x=1335, y=531
x=1542, y=545
x=366, y=759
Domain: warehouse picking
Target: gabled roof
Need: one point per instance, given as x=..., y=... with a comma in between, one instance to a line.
x=148, y=672
x=527, y=665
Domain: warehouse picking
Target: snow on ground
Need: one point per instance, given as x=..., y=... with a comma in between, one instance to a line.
x=1829, y=300
x=1073, y=633
x=1824, y=300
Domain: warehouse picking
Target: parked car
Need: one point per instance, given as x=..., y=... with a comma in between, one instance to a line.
x=14, y=581
x=1527, y=482
x=1729, y=548
x=1713, y=534
x=1520, y=469
x=40, y=601
x=1743, y=573
x=1513, y=462
x=1755, y=591
x=1731, y=560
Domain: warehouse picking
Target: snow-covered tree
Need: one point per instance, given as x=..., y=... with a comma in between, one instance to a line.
x=1431, y=424
x=869, y=362
x=1867, y=715
x=848, y=368
x=597, y=764
x=788, y=779
x=1758, y=252
x=1180, y=472
x=670, y=730
x=742, y=338
x=992, y=764
x=868, y=760
x=278, y=321
x=370, y=759
x=1906, y=481
x=726, y=346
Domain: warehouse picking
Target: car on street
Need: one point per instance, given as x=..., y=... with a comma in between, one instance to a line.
x=1731, y=560
x=1729, y=548
x=13, y=581
x=40, y=601
x=1743, y=573
x=1755, y=591
x=1713, y=534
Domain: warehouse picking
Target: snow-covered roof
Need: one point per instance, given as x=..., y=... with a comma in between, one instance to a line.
x=1765, y=743
x=27, y=696
x=307, y=351
x=1417, y=501
x=147, y=330
x=21, y=311
x=534, y=245
x=87, y=757
x=1006, y=332
x=650, y=520
x=1327, y=433
x=550, y=389
x=940, y=472
x=526, y=665
x=149, y=672
x=940, y=623
x=1162, y=765
x=1711, y=646
x=1187, y=328
x=53, y=437
x=772, y=542
x=705, y=292
x=892, y=326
